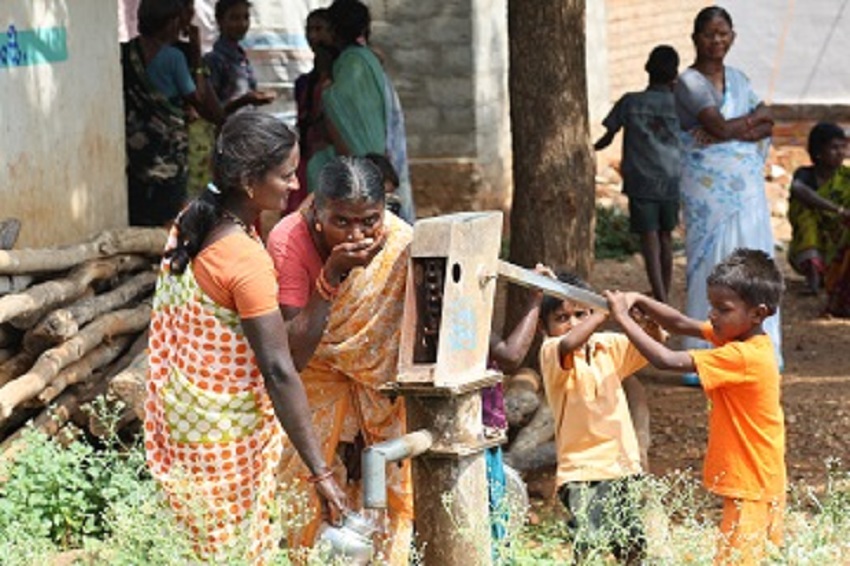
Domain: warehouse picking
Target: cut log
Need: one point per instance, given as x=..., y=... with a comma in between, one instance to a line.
x=16, y=366
x=49, y=421
x=14, y=283
x=540, y=429
x=520, y=405
x=145, y=241
x=525, y=378
x=9, y=230
x=51, y=362
x=105, y=429
x=9, y=336
x=24, y=309
x=84, y=368
x=541, y=456
x=129, y=385
x=62, y=324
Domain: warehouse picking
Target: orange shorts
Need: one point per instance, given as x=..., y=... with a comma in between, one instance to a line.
x=744, y=529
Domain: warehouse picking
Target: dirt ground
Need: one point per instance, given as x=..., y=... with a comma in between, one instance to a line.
x=816, y=380
x=816, y=383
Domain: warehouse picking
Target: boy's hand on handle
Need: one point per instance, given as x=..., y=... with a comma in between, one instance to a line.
x=333, y=500
x=647, y=324
x=618, y=304
x=546, y=271
x=622, y=304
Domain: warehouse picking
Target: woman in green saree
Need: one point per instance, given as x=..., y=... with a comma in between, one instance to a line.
x=362, y=110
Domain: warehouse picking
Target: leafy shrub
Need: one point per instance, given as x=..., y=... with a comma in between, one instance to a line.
x=613, y=240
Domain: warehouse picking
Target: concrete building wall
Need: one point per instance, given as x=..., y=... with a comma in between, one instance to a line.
x=635, y=27
x=61, y=118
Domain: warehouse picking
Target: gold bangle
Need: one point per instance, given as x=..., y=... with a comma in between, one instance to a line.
x=323, y=293
x=322, y=281
x=318, y=478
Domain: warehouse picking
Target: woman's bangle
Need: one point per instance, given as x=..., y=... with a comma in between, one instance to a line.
x=326, y=290
x=318, y=478
x=323, y=293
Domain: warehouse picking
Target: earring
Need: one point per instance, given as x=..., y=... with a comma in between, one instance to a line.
x=318, y=226
x=250, y=192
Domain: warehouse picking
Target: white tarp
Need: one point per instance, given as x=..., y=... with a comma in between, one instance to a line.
x=795, y=52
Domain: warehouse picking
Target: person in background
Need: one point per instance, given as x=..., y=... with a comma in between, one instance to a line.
x=725, y=136
x=231, y=73
x=342, y=270
x=231, y=78
x=308, y=95
x=505, y=355
x=157, y=82
x=745, y=457
x=362, y=110
x=819, y=213
x=391, y=181
x=222, y=387
x=651, y=164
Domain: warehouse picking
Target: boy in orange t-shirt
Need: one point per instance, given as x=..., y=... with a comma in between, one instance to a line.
x=745, y=458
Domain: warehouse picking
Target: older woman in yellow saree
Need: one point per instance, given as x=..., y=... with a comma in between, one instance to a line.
x=342, y=266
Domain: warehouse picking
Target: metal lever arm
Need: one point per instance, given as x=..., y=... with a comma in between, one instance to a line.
x=549, y=286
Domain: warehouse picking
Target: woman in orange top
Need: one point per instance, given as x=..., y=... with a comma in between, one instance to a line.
x=342, y=266
x=222, y=381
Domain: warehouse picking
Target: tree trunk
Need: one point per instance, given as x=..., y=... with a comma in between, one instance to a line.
x=553, y=200
x=552, y=215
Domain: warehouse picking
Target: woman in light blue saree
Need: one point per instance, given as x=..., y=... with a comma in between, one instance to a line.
x=725, y=133
x=362, y=109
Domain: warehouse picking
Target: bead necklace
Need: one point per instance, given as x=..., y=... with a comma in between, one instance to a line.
x=250, y=230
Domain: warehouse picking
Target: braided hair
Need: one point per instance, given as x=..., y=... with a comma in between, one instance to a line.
x=251, y=144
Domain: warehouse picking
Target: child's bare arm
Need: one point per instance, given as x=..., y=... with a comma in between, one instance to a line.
x=510, y=352
x=669, y=318
x=578, y=335
x=657, y=353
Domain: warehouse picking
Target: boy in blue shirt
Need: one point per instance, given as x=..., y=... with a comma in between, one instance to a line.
x=650, y=165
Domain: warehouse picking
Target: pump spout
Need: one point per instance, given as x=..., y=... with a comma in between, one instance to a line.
x=375, y=459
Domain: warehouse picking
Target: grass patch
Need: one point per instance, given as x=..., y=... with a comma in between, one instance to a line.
x=100, y=500
x=613, y=240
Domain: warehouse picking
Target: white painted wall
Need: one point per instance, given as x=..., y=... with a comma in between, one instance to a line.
x=795, y=52
x=62, y=125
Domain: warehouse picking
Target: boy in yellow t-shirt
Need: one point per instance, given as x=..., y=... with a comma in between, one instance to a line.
x=599, y=457
x=745, y=458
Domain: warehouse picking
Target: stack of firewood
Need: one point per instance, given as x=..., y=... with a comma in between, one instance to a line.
x=73, y=319
x=531, y=428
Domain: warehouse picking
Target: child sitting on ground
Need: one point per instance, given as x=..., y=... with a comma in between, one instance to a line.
x=650, y=165
x=745, y=458
x=599, y=457
x=815, y=209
